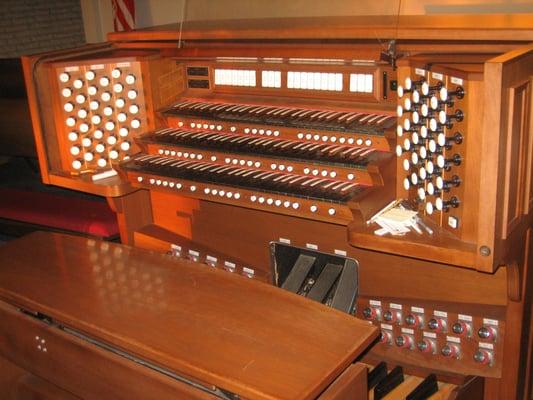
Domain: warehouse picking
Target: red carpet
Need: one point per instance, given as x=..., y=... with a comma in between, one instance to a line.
x=68, y=213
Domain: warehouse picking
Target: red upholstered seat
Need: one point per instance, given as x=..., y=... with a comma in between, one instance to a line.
x=75, y=214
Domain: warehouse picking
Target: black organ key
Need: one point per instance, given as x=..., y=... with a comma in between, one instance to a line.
x=428, y=387
x=284, y=116
x=378, y=373
x=390, y=382
x=268, y=146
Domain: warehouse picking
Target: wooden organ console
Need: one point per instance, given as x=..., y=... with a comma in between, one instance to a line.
x=217, y=141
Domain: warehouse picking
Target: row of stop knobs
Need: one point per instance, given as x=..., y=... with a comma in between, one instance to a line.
x=429, y=346
x=436, y=324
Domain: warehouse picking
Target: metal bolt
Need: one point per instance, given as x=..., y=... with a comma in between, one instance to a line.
x=484, y=251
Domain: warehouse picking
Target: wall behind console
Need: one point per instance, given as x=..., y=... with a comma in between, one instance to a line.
x=98, y=13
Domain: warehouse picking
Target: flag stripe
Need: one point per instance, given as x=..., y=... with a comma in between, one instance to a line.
x=123, y=14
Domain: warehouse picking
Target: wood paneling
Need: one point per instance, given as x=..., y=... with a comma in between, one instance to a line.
x=436, y=27
x=505, y=164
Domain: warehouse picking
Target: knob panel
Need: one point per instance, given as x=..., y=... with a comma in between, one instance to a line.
x=432, y=120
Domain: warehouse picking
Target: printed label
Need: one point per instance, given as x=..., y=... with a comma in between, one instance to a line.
x=248, y=271
x=419, y=310
x=283, y=240
x=72, y=68
x=467, y=318
x=408, y=331
x=442, y=314
x=311, y=246
x=124, y=64
x=375, y=303
x=211, y=259
x=483, y=345
x=340, y=252
x=432, y=335
x=229, y=265
x=488, y=321
x=453, y=339
x=396, y=306
x=438, y=76
x=386, y=326
x=420, y=71
x=457, y=81
x=175, y=247
x=194, y=253
x=97, y=66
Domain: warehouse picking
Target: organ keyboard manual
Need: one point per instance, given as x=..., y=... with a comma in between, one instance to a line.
x=380, y=165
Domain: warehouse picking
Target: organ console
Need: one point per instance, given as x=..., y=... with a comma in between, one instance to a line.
x=296, y=151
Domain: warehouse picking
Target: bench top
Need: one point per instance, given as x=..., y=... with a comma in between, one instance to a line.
x=227, y=330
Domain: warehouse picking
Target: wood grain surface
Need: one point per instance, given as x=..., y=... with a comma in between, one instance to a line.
x=232, y=332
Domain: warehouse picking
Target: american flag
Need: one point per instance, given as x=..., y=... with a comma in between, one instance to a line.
x=123, y=15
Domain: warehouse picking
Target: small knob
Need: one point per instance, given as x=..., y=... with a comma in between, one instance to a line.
x=404, y=341
x=451, y=350
x=446, y=163
x=442, y=205
x=483, y=356
x=426, y=345
x=434, y=148
x=427, y=90
x=462, y=328
x=447, y=184
x=437, y=324
x=391, y=316
x=487, y=332
x=386, y=337
x=445, y=95
x=371, y=313
x=411, y=320
x=446, y=119
x=431, y=169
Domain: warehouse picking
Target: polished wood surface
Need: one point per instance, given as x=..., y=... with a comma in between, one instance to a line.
x=506, y=169
x=181, y=316
x=350, y=385
x=82, y=367
x=443, y=27
x=481, y=269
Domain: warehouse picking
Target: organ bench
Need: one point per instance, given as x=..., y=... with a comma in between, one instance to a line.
x=224, y=142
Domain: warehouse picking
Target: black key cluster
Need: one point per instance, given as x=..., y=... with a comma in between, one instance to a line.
x=350, y=156
x=322, y=189
x=341, y=121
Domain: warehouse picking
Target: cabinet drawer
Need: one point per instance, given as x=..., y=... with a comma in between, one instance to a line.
x=80, y=367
